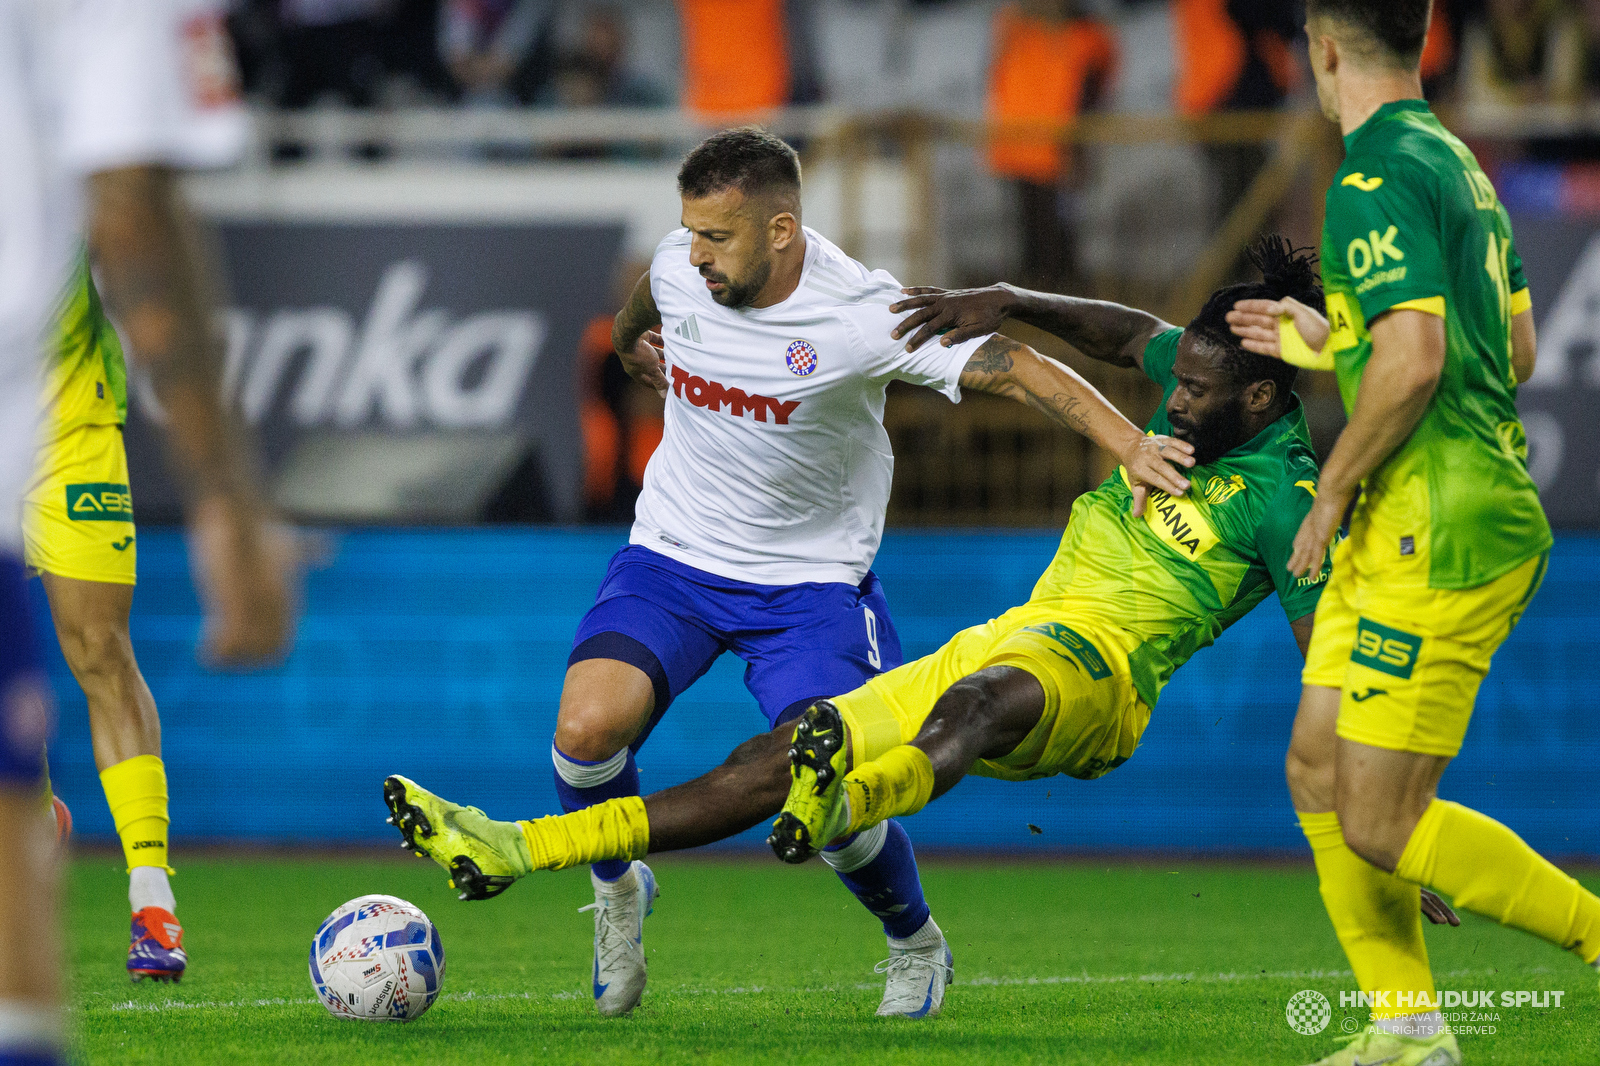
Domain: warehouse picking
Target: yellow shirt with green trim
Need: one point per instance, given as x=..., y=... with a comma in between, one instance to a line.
x=1192, y=565
x=85, y=378
x=1413, y=222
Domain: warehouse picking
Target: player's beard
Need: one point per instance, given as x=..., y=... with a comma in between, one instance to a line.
x=1215, y=436
x=737, y=294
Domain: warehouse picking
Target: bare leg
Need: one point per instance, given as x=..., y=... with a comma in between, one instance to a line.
x=29, y=952
x=749, y=787
x=605, y=703
x=1381, y=796
x=91, y=620
x=984, y=715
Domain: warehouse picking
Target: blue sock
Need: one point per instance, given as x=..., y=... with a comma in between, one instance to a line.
x=581, y=784
x=879, y=867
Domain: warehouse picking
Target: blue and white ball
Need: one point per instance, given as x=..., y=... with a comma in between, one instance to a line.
x=377, y=959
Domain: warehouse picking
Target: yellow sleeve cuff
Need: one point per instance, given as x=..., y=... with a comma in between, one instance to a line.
x=1432, y=305
x=1294, y=349
x=1521, y=300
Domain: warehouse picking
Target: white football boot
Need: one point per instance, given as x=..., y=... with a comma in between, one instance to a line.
x=620, y=908
x=918, y=968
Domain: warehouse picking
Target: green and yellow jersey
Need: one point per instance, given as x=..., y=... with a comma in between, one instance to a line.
x=1193, y=565
x=1413, y=222
x=85, y=378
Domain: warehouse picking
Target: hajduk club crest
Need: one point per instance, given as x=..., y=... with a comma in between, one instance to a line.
x=801, y=357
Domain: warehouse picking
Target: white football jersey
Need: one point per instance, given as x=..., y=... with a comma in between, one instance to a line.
x=775, y=466
x=88, y=86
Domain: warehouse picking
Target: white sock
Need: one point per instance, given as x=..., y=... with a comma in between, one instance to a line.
x=26, y=1026
x=930, y=935
x=148, y=887
x=866, y=847
x=1423, y=1026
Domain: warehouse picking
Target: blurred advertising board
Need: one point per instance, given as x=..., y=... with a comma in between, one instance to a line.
x=1555, y=216
x=401, y=372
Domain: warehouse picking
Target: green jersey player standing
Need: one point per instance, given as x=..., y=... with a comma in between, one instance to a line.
x=1429, y=329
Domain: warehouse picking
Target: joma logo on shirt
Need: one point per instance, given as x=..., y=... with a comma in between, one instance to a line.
x=702, y=393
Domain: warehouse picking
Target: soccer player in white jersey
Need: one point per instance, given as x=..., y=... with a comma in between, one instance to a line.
x=99, y=100
x=755, y=533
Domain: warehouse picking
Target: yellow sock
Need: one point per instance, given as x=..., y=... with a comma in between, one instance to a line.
x=1487, y=869
x=615, y=829
x=1377, y=917
x=874, y=724
x=900, y=781
x=136, y=791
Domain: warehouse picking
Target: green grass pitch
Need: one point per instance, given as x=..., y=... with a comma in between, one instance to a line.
x=751, y=961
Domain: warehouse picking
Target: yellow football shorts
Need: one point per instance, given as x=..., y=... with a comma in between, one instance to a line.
x=77, y=518
x=1092, y=719
x=1407, y=658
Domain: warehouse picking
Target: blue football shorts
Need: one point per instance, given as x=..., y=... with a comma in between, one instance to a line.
x=800, y=643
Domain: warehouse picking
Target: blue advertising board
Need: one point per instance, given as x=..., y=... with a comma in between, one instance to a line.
x=440, y=654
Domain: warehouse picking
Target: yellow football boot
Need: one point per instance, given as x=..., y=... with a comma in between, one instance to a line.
x=815, y=814
x=483, y=856
x=1373, y=1046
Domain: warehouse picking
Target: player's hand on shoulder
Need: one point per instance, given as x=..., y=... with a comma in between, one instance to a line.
x=1255, y=323
x=645, y=363
x=246, y=569
x=960, y=314
x=1156, y=462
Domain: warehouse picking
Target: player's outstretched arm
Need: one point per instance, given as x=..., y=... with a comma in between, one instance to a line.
x=634, y=337
x=155, y=276
x=1108, y=332
x=1408, y=350
x=1004, y=367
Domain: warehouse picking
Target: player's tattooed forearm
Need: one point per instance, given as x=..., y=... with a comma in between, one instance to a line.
x=993, y=356
x=1067, y=410
x=637, y=315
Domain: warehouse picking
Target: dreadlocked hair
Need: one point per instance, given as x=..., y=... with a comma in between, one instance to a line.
x=1286, y=271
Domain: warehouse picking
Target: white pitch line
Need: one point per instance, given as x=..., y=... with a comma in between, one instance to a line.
x=981, y=980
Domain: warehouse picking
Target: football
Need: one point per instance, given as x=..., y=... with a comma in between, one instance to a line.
x=377, y=959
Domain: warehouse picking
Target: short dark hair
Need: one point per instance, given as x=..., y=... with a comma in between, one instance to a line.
x=747, y=158
x=1285, y=271
x=1397, y=27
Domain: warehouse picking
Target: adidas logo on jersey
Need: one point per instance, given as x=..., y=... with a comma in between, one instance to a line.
x=714, y=395
x=689, y=329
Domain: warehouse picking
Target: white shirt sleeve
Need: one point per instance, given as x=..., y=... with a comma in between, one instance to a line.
x=886, y=358
x=150, y=82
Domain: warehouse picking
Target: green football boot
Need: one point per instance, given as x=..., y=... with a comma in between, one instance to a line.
x=1373, y=1046
x=483, y=856
x=815, y=814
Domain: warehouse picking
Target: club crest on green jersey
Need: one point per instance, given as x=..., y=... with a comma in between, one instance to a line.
x=1220, y=490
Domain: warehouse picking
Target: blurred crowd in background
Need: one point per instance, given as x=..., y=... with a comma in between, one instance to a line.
x=942, y=144
x=737, y=56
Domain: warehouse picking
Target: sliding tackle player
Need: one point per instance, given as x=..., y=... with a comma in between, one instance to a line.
x=1062, y=684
